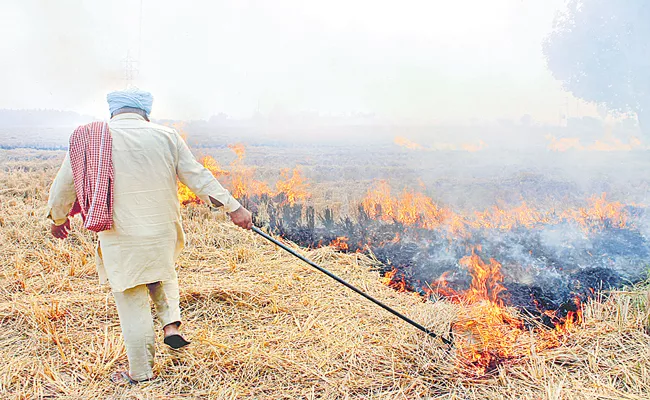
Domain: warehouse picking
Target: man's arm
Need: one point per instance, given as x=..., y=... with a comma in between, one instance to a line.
x=201, y=181
x=61, y=199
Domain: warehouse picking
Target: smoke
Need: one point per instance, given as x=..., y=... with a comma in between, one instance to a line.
x=548, y=256
x=62, y=56
x=410, y=62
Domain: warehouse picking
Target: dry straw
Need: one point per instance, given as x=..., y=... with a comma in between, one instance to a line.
x=264, y=325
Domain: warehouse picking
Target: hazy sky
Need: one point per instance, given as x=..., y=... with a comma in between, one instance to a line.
x=409, y=60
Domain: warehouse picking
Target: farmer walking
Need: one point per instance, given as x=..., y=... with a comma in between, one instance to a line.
x=121, y=177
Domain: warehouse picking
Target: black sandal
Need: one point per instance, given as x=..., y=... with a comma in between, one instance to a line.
x=176, y=341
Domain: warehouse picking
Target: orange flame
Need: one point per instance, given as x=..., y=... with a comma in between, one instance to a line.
x=340, y=243
x=487, y=333
x=413, y=208
x=244, y=184
x=572, y=319
x=471, y=147
x=598, y=214
x=498, y=218
x=563, y=144
x=404, y=142
x=239, y=150
x=609, y=143
x=185, y=195
x=410, y=208
x=213, y=166
x=294, y=187
x=486, y=279
x=389, y=279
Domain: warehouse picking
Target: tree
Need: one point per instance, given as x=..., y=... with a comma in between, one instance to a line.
x=600, y=51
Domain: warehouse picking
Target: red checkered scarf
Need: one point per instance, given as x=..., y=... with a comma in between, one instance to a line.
x=91, y=158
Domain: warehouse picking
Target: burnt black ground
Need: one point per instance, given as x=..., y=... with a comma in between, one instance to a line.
x=546, y=268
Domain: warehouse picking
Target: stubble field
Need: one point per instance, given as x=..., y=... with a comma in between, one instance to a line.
x=264, y=325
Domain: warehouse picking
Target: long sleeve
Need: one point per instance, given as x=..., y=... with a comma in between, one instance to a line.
x=200, y=180
x=62, y=193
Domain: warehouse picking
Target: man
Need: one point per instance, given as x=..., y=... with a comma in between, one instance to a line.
x=136, y=256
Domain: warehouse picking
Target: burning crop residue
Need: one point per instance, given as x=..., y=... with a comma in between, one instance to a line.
x=608, y=143
x=185, y=194
x=239, y=149
x=488, y=333
x=521, y=274
x=292, y=187
x=469, y=146
x=404, y=142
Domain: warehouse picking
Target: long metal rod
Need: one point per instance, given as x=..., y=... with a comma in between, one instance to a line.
x=341, y=281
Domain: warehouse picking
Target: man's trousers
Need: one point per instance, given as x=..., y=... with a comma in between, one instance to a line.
x=137, y=323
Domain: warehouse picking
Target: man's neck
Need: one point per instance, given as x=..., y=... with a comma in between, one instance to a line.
x=131, y=110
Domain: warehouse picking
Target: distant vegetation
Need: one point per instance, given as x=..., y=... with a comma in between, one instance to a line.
x=599, y=50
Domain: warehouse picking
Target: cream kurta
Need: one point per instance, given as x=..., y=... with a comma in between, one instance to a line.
x=147, y=234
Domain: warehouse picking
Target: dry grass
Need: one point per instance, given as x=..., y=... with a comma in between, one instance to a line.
x=264, y=325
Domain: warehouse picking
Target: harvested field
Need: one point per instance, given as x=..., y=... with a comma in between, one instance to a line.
x=265, y=325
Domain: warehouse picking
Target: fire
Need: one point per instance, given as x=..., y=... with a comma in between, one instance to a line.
x=486, y=285
x=564, y=326
x=185, y=195
x=572, y=319
x=213, y=166
x=239, y=150
x=293, y=187
x=340, y=243
x=486, y=279
x=410, y=208
x=471, y=147
x=609, y=143
x=241, y=180
x=413, y=208
x=441, y=287
x=391, y=279
x=243, y=184
x=563, y=144
x=378, y=202
x=487, y=333
x=499, y=218
x=599, y=214
x=404, y=142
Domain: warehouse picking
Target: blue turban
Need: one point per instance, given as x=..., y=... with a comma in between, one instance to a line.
x=131, y=97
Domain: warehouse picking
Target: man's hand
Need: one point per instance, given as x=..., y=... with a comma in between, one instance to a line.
x=61, y=231
x=242, y=218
